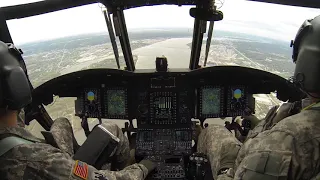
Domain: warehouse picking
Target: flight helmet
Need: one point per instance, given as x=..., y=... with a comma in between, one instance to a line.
x=306, y=56
x=15, y=92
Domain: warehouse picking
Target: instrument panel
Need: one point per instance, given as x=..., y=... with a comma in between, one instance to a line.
x=165, y=107
x=237, y=100
x=211, y=101
x=164, y=104
x=223, y=101
x=102, y=103
x=167, y=148
x=116, y=106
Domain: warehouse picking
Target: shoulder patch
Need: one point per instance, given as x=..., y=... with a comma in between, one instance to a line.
x=81, y=170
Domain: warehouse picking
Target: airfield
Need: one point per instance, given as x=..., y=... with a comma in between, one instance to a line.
x=223, y=51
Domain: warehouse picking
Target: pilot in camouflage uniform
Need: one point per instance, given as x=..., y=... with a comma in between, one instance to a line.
x=33, y=158
x=275, y=114
x=282, y=147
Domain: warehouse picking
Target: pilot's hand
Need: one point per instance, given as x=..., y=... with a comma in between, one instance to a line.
x=196, y=133
x=148, y=164
x=132, y=159
x=254, y=120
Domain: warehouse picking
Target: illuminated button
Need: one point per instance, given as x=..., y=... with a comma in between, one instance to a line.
x=237, y=94
x=90, y=96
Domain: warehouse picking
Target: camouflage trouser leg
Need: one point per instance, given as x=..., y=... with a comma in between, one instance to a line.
x=220, y=146
x=122, y=154
x=62, y=133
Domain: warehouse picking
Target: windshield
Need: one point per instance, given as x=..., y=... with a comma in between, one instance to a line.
x=75, y=39
x=166, y=31
x=256, y=35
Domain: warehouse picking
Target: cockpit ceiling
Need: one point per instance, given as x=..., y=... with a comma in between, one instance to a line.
x=37, y=8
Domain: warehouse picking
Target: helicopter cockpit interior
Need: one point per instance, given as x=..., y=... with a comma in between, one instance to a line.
x=163, y=101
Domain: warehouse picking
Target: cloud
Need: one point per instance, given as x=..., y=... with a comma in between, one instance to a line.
x=263, y=19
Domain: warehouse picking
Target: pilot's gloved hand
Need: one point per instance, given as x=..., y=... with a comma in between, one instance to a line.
x=254, y=120
x=196, y=133
x=148, y=164
x=132, y=159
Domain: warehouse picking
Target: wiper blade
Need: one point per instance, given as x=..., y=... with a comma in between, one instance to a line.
x=122, y=33
x=112, y=36
x=199, y=30
x=210, y=32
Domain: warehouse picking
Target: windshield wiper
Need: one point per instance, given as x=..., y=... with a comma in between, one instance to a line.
x=112, y=37
x=121, y=31
x=204, y=11
x=210, y=32
x=199, y=30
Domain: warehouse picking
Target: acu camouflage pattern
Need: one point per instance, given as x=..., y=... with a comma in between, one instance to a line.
x=220, y=146
x=293, y=140
x=276, y=114
x=21, y=118
x=63, y=136
x=290, y=149
x=43, y=161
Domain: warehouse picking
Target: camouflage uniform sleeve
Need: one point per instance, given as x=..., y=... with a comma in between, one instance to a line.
x=266, y=157
x=132, y=172
x=52, y=163
x=227, y=176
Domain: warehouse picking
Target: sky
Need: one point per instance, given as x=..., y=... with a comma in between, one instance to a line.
x=268, y=20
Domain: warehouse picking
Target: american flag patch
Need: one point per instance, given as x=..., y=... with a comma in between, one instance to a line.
x=81, y=170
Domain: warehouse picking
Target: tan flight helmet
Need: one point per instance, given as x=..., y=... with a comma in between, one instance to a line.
x=306, y=55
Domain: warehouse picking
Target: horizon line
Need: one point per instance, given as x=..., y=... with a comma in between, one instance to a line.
x=145, y=29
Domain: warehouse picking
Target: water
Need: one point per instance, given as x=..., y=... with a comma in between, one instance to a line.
x=176, y=50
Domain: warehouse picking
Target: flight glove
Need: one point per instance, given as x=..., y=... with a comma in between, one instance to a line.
x=148, y=164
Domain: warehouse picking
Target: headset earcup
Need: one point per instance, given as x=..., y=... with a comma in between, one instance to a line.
x=17, y=91
x=300, y=35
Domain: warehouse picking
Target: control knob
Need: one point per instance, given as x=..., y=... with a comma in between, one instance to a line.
x=143, y=108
